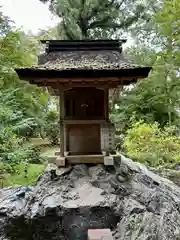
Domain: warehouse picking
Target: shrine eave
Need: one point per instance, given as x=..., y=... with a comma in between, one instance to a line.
x=46, y=75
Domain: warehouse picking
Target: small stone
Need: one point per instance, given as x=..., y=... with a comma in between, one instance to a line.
x=62, y=171
x=60, y=161
x=108, y=161
x=99, y=234
x=120, y=178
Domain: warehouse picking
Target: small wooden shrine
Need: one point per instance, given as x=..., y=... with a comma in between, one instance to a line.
x=81, y=73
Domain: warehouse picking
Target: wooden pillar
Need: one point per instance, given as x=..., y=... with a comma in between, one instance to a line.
x=106, y=117
x=61, y=104
x=106, y=104
x=65, y=138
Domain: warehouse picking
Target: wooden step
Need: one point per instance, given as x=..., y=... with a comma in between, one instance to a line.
x=76, y=159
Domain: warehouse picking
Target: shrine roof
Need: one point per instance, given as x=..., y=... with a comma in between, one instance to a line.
x=99, y=59
x=83, y=58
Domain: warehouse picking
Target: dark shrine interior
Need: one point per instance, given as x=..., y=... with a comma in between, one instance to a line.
x=84, y=103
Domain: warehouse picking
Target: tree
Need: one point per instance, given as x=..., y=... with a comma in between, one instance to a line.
x=155, y=98
x=81, y=19
x=18, y=49
x=167, y=21
x=4, y=24
x=145, y=29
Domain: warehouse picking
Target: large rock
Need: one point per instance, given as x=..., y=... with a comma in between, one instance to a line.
x=171, y=174
x=132, y=201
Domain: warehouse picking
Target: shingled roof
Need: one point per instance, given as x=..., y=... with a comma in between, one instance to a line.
x=102, y=59
x=98, y=58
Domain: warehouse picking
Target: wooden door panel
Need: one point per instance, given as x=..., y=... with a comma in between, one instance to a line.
x=87, y=103
x=84, y=138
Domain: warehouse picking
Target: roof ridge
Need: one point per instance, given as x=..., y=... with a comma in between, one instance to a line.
x=79, y=45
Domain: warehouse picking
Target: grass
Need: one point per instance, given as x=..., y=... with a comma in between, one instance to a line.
x=19, y=178
x=45, y=147
x=39, y=141
x=49, y=150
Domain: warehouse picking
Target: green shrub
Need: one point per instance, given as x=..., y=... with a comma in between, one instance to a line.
x=52, y=133
x=25, y=174
x=32, y=154
x=150, y=144
x=51, y=127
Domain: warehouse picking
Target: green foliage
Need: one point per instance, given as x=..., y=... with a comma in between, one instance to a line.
x=155, y=99
x=150, y=144
x=95, y=18
x=14, y=151
x=22, y=99
x=22, y=174
x=51, y=127
x=13, y=148
x=32, y=154
x=22, y=108
x=150, y=101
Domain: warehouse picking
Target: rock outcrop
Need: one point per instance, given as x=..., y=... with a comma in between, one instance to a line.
x=132, y=201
